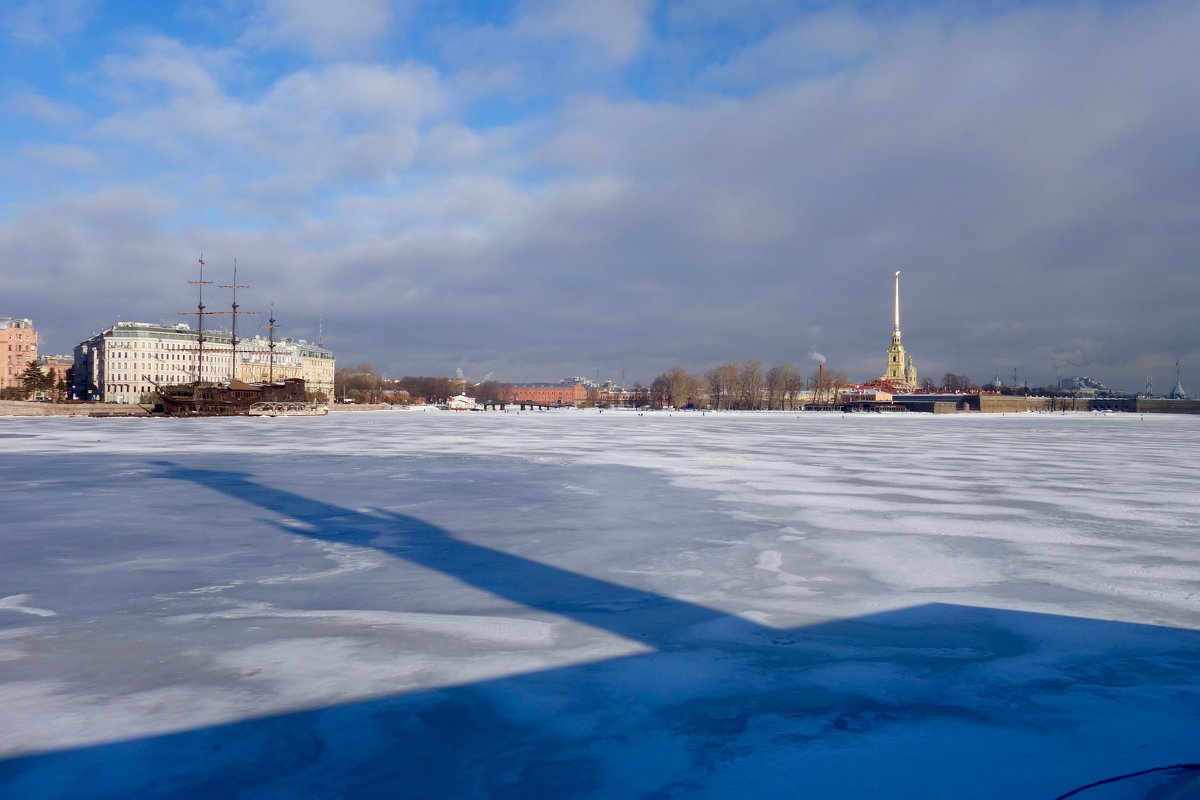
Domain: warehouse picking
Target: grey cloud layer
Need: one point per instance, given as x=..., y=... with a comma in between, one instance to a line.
x=1033, y=172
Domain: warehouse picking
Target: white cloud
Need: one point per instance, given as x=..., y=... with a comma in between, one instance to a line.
x=64, y=157
x=451, y=146
x=345, y=28
x=43, y=22
x=818, y=43
x=319, y=126
x=616, y=28
x=158, y=66
x=31, y=104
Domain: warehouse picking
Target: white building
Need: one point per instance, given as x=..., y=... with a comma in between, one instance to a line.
x=460, y=402
x=124, y=363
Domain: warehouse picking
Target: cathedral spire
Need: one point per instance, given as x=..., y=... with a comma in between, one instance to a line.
x=896, y=321
x=900, y=370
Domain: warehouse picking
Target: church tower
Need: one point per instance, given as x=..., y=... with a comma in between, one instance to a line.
x=900, y=370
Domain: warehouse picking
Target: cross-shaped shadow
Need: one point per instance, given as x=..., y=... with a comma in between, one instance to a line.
x=720, y=707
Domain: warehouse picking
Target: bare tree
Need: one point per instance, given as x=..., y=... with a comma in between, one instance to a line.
x=750, y=385
x=818, y=384
x=775, y=390
x=827, y=386
x=492, y=392
x=793, y=386
x=838, y=389
x=660, y=392
x=952, y=382
x=640, y=396
x=681, y=387
x=783, y=384
x=722, y=384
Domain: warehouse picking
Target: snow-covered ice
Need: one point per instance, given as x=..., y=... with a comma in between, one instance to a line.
x=574, y=604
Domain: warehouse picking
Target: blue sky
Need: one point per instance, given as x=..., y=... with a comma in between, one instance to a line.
x=539, y=189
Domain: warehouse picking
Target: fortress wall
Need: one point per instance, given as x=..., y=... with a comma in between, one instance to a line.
x=1147, y=405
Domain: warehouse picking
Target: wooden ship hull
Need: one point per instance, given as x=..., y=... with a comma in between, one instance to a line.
x=233, y=398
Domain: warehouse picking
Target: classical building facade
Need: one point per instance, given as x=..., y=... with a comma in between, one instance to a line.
x=124, y=363
x=18, y=346
x=317, y=365
x=900, y=371
x=257, y=364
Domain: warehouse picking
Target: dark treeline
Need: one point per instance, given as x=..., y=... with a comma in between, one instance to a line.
x=362, y=384
x=951, y=382
x=729, y=386
x=746, y=386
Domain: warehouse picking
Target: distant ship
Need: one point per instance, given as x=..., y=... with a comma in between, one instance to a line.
x=286, y=398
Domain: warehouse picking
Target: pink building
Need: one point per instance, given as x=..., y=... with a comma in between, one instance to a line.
x=18, y=346
x=59, y=368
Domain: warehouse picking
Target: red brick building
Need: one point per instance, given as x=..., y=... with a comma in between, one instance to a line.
x=547, y=394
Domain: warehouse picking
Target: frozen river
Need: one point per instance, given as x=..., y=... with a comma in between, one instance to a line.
x=572, y=604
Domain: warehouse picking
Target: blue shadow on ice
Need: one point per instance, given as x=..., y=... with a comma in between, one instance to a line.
x=625, y=611
x=720, y=707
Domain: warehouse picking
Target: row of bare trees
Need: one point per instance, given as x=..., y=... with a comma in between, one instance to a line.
x=363, y=384
x=732, y=385
x=951, y=382
x=746, y=386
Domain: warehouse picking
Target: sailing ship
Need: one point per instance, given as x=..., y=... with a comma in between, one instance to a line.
x=233, y=397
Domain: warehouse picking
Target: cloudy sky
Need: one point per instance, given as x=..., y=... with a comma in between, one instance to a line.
x=544, y=188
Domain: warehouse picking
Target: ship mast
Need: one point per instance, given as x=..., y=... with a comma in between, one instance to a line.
x=271, y=326
x=235, y=314
x=200, y=314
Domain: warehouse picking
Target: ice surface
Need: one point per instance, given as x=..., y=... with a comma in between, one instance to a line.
x=574, y=604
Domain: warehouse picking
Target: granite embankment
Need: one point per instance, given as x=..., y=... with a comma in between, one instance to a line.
x=21, y=408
